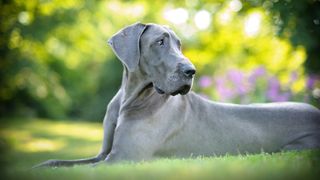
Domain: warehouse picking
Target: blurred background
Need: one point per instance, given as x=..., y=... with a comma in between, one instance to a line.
x=55, y=62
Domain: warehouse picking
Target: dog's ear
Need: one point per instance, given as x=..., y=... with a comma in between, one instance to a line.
x=125, y=44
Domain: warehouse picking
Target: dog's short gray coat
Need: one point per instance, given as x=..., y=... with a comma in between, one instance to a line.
x=146, y=119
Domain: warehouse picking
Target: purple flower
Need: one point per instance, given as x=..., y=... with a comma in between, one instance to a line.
x=293, y=77
x=238, y=80
x=256, y=73
x=283, y=97
x=224, y=92
x=273, y=89
x=311, y=81
x=236, y=77
x=273, y=92
x=205, y=81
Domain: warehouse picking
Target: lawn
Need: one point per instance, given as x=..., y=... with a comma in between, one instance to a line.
x=24, y=143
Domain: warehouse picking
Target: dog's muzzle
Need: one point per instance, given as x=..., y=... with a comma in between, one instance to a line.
x=182, y=78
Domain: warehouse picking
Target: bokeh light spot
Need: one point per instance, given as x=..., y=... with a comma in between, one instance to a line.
x=202, y=19
x=176, y=16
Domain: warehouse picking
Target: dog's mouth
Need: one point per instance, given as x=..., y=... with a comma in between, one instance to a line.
x=182, y=90
x=159, y=90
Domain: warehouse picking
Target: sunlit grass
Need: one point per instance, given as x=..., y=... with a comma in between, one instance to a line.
x=25, y=141
x=33, y=141
x=44, y=135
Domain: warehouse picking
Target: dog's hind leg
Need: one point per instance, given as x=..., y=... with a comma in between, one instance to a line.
x=305, y=141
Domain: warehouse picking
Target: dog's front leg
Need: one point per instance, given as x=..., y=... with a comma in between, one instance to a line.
x=109, y=125
x=133, y=141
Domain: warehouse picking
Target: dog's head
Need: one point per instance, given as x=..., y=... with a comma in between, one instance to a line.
x=155, y=51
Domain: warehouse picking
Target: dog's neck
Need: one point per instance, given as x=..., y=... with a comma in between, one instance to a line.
x=132, y=84
x=138, y=91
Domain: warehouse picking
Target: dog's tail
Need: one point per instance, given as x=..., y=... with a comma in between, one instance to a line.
x=69, y=163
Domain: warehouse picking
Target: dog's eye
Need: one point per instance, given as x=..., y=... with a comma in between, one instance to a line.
x=160, y=42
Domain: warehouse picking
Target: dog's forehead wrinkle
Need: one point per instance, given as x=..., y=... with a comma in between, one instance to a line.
x=155, y=31
x=172, y=33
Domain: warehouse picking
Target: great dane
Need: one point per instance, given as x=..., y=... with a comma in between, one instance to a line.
x=153, y=115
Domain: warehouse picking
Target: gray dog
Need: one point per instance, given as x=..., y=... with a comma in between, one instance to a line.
x=153, y=115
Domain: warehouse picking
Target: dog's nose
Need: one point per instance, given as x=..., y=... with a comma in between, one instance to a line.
x=188, y=70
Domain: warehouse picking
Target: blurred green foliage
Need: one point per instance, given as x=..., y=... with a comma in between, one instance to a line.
x=55, y=61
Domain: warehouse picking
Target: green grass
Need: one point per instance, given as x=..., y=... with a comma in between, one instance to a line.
x=25, y=143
